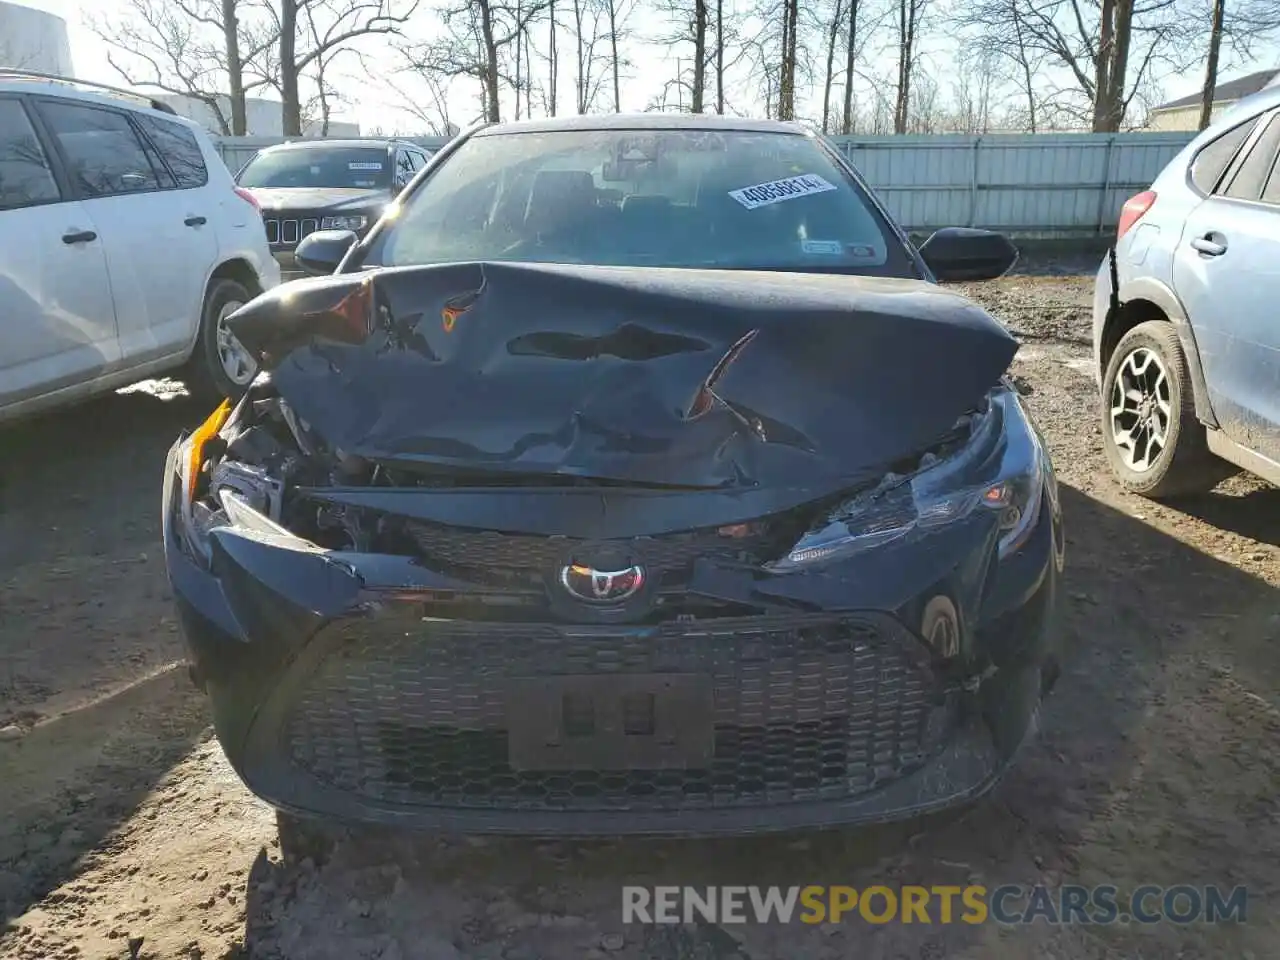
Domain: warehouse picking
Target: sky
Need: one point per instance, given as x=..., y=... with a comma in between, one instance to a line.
x=374, y=106
x=371, y=106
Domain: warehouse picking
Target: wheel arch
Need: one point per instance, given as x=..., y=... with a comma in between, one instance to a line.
x=1145, y=299
x=236, y=268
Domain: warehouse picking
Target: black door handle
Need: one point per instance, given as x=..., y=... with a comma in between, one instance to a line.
x=195, y=221
x=81, y=236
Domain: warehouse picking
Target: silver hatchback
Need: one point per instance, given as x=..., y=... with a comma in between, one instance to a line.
x=1186, y=315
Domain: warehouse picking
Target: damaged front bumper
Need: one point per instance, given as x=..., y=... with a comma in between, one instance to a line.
x=868, y=687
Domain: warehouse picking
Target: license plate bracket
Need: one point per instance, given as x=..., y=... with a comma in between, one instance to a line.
x=622, y=722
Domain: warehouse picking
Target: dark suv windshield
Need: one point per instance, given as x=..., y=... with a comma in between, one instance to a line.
x=669, y=198
x=319, y=166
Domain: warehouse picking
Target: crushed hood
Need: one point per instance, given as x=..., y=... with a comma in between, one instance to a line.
x=684, y=378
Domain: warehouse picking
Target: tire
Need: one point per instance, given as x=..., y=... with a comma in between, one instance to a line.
x=1149, y=361
x=303, y=839
x=206, y=375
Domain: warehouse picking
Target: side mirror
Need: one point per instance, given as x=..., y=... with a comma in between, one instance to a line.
x=320, y=253
x=962, y=253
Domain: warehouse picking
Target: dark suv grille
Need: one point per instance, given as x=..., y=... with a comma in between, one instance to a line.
x=289, y=232
x=805, y=708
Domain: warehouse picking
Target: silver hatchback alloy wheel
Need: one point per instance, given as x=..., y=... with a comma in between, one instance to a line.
x=1141, y=409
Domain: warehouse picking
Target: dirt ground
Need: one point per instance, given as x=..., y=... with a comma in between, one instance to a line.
x=123, y=832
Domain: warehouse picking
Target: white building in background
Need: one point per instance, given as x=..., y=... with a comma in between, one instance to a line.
x=35, y=40
x=32, y=39
x=1184, y=113
x=262, y=117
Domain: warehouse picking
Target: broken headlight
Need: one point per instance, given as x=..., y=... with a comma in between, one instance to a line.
x=1000, y=469
x=221, y=492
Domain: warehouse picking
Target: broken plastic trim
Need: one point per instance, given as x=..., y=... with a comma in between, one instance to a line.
x=241, y=514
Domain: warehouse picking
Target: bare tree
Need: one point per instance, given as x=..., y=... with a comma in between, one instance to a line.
x=778, y=56
x=314, y=30
x=431, y=112
x=790, y=48
x=1001, y=36
x=720, y=57
x=235, y=67
x=1211, y=64
x=525, y=43
x=911, y=14
x=880, y=121
x=617, y=14
x=1028, y=66
x=478, y=35
x=850, y=51
x=926, y=113
x=1240, y=27
x=973, y=91
x=835, y=29
x=1106, y=50
x=1111, y=63
x=326, y=96
x=699, y=55
x=690, y=20
x=589, y=20
x=553, y=62
x=522, y=83
x=190, y=48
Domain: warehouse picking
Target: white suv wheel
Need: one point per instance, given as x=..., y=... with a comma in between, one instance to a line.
x=237, y=363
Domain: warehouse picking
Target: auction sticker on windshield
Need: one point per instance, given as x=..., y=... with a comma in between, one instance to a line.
x=830, y=248
x=775, y=191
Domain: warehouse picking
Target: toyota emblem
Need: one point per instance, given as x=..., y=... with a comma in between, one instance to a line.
x=602, y=586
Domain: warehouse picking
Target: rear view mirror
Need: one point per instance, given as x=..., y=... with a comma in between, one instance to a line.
x=320, y=253
x=957, y=254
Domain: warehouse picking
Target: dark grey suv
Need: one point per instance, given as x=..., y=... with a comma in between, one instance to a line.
x=311, y=185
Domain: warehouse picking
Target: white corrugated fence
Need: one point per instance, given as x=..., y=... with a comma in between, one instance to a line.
x=1025, y=184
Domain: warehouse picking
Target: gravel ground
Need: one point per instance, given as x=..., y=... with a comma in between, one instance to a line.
x=125, y=834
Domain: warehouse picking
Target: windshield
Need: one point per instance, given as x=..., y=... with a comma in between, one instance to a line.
x=663, y=198
x=320, y=166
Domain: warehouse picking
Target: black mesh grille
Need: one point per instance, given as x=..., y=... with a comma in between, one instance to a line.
x=805, y=708
x=486, y=552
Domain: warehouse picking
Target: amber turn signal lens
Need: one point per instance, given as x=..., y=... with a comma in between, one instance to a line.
x=195, y=451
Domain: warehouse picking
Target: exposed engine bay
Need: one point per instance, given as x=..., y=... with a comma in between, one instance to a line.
x=691, y=399
x=267, y=459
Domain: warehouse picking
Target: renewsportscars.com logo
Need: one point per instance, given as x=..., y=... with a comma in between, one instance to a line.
x=1008, y=904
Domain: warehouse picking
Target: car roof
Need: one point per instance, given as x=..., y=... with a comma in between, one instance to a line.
x=644, y=121
x=384, y=143
x=66, y=88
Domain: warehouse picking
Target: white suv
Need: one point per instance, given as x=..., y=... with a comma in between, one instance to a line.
x=124, y=245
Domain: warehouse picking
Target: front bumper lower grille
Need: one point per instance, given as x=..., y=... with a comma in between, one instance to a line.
x=412, y=713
